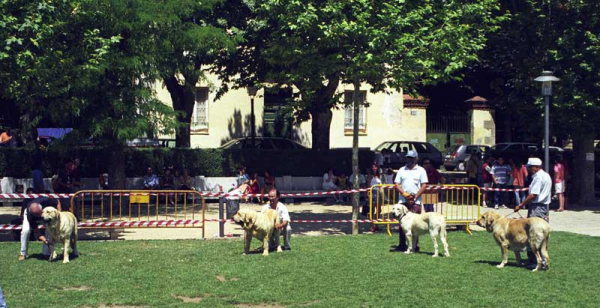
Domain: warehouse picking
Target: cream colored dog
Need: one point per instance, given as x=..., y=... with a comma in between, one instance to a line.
x=517, y=235
x=258, y=225
x=417, y=224
x=62, y=227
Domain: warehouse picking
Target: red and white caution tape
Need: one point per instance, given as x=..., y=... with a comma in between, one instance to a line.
x=503, y=189
x=320, y=220
x=124, y=224
x=223, y=194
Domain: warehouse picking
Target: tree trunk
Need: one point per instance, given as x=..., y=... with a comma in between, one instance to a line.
x=321, y=123
x=184, y=99
x=116, y=167
x=356, y=196
x=583, y=170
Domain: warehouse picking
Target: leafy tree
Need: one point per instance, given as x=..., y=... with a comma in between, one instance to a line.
x=557, y=35
x=189, y=37
x=86, y=64
x=315, y=45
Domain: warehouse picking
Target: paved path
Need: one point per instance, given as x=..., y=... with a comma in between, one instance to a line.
x=581, y=221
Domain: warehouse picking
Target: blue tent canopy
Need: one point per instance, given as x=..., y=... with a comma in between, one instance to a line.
x=55, y=133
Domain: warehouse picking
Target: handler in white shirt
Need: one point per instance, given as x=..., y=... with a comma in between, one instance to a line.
x=538, y=198
x=411, y=181
x=284, y=226
x=539, y=191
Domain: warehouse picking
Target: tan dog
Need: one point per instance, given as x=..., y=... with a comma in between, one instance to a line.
x=260, y=226
x=517, y=235
x=417, y=224
x=62, y=227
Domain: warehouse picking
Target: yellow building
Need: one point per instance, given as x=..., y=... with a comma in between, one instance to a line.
x=389, y=116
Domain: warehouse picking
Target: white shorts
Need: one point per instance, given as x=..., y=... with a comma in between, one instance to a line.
x=559, y=188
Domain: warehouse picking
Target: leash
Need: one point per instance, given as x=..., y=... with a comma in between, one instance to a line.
x=518, y=212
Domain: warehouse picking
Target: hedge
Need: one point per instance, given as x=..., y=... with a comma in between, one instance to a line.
x=17, y=162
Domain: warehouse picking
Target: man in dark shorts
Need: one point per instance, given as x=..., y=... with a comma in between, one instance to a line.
x=32, y=216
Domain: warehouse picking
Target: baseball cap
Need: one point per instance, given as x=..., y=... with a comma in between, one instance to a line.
x=412, y=153
x=534, y=161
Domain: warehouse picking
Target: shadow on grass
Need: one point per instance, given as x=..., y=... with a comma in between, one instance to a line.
x=59, y=257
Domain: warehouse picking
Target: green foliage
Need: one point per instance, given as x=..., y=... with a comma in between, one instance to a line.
x=557, y=35
x=320, y=271
x=208, y=162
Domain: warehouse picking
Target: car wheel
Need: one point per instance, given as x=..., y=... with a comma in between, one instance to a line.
x=461, y=166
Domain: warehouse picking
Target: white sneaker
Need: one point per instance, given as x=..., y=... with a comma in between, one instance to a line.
x=504, y=206
x=496, y=207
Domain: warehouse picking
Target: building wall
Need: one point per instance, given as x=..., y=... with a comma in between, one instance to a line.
x=229, y=118
x=483, y=127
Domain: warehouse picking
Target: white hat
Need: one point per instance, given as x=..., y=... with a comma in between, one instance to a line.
x=412, y=153
x=534, y=161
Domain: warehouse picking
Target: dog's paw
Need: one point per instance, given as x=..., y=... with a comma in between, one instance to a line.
x=447, y=255
x=279, y=249
x=435, y=256
x=500, y=266
x=266, y=253
x=408, y=252
x=65, y=261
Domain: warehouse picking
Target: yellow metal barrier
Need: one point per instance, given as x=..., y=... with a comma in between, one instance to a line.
x=135, y=205
x=460, y=204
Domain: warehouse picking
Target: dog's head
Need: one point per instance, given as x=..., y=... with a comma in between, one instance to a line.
x=487, y=220
x=245, y=218
x=50, y=216
x=399, y=211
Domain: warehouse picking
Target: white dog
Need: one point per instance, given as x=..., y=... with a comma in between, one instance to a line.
x=417, y=224
x=62, y=227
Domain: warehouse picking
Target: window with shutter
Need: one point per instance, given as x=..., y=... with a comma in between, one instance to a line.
x=200, y=113
x=349, y=113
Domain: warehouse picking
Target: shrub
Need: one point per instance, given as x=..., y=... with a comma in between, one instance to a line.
x=17, y=162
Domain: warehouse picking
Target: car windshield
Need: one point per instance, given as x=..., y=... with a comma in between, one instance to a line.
x=453, y=149
x=385, y=145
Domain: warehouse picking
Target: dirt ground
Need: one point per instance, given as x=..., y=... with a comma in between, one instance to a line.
x=577, y=220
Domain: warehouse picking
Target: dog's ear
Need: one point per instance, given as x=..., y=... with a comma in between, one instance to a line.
x=489, y=221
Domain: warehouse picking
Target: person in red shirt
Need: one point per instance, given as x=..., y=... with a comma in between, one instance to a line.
x=434, y=178
x=486, y=176
x=519, y=173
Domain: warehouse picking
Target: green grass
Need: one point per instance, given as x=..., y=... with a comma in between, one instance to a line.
x=331, y=271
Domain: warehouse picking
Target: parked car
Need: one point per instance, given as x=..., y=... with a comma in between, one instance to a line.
x=523, y=150
x=263, y=143
x=398, y=150
x=457, y=156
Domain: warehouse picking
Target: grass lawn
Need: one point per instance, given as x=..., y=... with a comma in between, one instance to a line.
x=327, y=271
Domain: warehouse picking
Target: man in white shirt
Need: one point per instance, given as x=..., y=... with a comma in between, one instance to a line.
x=284, y=226
x=539, y=191
x=539, y=197
x=411, y=181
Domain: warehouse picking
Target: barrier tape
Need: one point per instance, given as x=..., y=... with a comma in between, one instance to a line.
x=319, y=220
x=123, y=224
x=223, y=194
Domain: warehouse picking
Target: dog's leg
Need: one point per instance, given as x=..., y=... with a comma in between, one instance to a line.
x=504, y=250
x=277, y=240
x=66, y=246
x=52, y=252
x=74, y=245
x=544, y=251
x=535, y=249
x=433, y=235
x=247, y=240
x=266, y=243
x=518, y=257
x=409, y=238
x=444, y=241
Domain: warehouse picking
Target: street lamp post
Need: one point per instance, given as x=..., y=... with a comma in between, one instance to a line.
x=252, y=93
x=546, y=79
